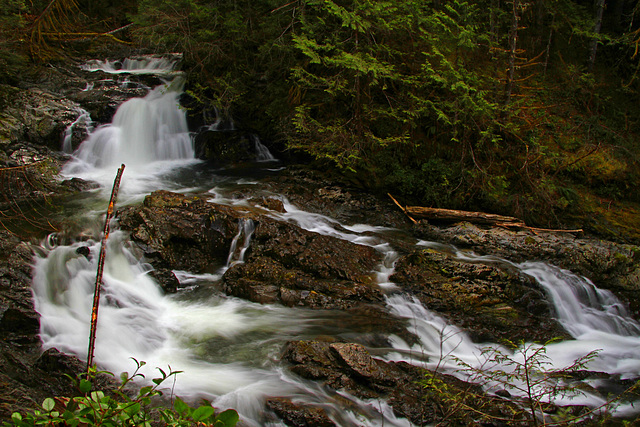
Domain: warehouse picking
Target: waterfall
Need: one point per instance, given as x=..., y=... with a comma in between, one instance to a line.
x=84, y=119
x=149, y=134
x=580, y=306
x=262, y=152
x=227, y=348
x=149, y=64
x=236, y=255
x=143, y=130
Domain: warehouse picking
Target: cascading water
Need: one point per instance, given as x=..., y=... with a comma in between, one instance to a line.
x=84, y=119
x=144, y=130
x=149, y=64
x=149, y=135
x=236, y=254
x=229, y=348
x=262, y=152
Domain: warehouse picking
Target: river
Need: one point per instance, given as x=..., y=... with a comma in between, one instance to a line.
x=227, y=348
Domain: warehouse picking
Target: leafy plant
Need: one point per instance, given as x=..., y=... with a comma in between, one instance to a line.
x=526, y=374
x=117, y=408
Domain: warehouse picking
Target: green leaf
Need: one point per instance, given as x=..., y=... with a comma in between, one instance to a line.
x=202, y=413
x=229, y=417
x=85, y=386
x=145, y=390
x=48, y=404
x=133, y=409
x=180, y=407
x=97, y=395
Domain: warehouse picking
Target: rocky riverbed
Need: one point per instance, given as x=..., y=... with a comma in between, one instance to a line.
x=284, y=265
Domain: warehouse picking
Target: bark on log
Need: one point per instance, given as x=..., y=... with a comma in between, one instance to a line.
x=451, y=215
x=456, y=215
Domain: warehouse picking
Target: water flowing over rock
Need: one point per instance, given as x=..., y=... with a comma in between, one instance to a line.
x=178, y=232
x=611, y=265
x=27, y=377
x=284, y=263
x=411, y=392
x=490, y=302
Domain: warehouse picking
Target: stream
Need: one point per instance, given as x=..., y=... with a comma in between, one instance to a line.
x=227, y=348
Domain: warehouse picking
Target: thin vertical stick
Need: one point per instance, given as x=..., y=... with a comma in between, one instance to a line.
x=96, y=292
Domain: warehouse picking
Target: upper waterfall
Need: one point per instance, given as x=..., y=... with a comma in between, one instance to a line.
x=143, y=130
x=147, y=64
x=149, y=134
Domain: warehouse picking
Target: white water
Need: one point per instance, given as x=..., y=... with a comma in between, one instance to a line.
x=84, y=119
x=144, y=65
x=149, y=135
x=228, y=348
x=262, y=152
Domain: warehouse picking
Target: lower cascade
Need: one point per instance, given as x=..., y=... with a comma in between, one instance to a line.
x=230, y=348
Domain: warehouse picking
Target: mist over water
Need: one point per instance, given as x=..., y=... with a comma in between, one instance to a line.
x=229, y=348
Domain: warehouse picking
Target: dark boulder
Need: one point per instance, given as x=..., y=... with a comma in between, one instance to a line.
x=299, y=415
x=181, y=233
x=292, y=266
x=226, y=148
x=422, y=396
x=490, y=301
x=283, y=264
x=19, y=322
x=610, y=265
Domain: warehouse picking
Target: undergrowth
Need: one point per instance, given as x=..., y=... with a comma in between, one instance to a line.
x=117, y=408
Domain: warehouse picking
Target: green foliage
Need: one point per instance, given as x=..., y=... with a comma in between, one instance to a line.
x=117, y=408
x=11, y=16
x=388, y=89
x=528, y=383
x=432, y=184
x=12, y=23
x=525, y=372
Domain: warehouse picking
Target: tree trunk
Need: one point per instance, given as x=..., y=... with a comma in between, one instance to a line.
x=513, y=43
x=596, y=31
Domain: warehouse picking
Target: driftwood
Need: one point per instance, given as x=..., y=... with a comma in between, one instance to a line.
x=451, y=215
x=103, y=248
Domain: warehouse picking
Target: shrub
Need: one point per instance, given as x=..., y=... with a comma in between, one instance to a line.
x=117, y=408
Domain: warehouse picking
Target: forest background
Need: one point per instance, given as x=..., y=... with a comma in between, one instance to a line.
x=527, y=108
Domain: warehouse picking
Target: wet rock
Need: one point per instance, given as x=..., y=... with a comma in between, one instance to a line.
x=166, y=279
x=490, y=301
x=295, y=267
x=609, y=265
x=104, y=93
x=341, y=366
x=26, y=378
x=299, y=415
x=181, y=233
x=39, y=117
x=345, y=202
x=223, y=148
x=284, y=263
x=19, y=322
x=270, y=203
x=421, y=396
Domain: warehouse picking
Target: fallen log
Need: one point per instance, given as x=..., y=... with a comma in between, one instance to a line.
x=452, y=215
